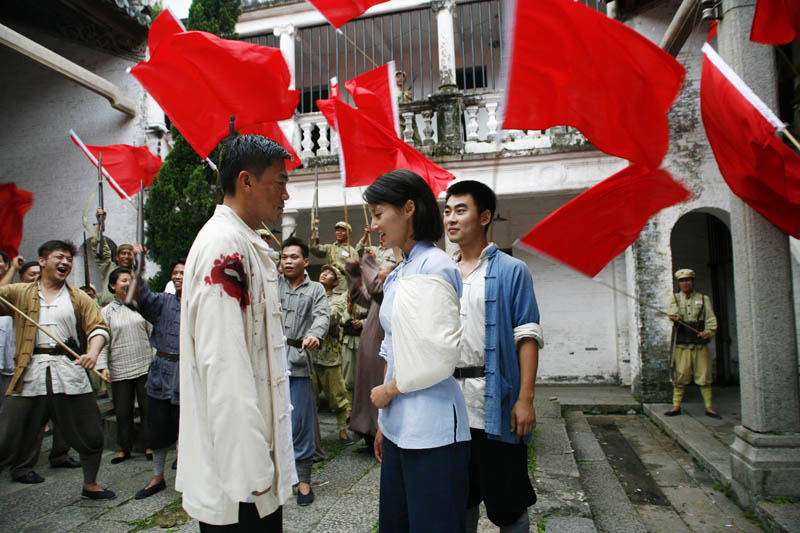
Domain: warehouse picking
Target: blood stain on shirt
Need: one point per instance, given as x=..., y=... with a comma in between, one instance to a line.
x=228, y=271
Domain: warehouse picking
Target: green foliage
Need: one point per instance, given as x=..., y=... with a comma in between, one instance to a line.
x=215, y=16
x=184, y=195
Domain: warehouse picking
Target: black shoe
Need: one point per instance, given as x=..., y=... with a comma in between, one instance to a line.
x=366, y=450
x=713, y=415
x=305, y=499
x=117, y=460
x=148, y=456
x=29, y=478
x=175, y=464
x=104, y=494
x=346, y=441
x=147, y=492
x=676, y=412
x=69, y=462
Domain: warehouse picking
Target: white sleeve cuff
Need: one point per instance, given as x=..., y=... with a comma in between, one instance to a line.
x=531, y=330
x=99, y=331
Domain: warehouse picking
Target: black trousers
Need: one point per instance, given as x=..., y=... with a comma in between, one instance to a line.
x=249, y=521
x=124, y=392
x=77, y=424
x=162, y=423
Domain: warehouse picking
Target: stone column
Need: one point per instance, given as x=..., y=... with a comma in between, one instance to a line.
x=286, y=34
x=447, y=47
x=765, y=456
x=288, y=223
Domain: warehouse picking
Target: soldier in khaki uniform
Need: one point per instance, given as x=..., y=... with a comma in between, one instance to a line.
x=690, y=357
x=328, y=359
x=336, y=253
x=352, y=326
x=380, y=253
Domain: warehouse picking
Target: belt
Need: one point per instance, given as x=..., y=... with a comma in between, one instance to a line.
x=50, y=350
x=168, y=356
x=294, y=342
x=469, y=372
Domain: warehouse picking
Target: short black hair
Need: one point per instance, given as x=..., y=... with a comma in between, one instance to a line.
x=175, y=262
x=481, y=194
x=399, y=186
x=115, y=274
x=253, y=153
x=51, y=246
x=4, y=256
x=26, y=266
x=296, y=241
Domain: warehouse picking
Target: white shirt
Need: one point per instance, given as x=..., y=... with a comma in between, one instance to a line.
x=473, y=339
x=57, y=317
x=236, y=434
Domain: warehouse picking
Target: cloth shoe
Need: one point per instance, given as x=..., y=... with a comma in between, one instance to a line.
x=29, y=478
x=146, y=493
x=713, y=415
x=118, y=460
x=69, y=462
x=673, y=413
x=98, y=495
x=305, y=499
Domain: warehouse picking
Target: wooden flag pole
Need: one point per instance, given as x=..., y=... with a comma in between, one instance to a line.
x=69, y=350
x=271, y=236
x=366, y=218
x=791, y=138
x=346, y=216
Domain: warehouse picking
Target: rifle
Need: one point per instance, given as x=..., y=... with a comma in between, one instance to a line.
x=100, y=221
x=133, y=288
x=86, y=279
x=315, y=204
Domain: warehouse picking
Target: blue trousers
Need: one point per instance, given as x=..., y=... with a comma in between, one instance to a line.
x=302, y=397
x=424, y=490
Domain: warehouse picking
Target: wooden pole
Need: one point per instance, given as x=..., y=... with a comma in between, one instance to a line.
x=69, y=350
x=366, y=218
x=791, y=138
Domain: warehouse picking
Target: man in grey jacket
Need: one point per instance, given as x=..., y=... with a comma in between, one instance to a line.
x=306, y=318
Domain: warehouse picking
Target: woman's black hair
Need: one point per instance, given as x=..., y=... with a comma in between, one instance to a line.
x=114, y=276
x=399, y=186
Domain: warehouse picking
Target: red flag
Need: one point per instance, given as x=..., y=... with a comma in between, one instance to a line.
x=367, y=149
x=589, y=231
x=776, y=21
x=164, y=25
x=124, y=166
x=273, y=131
x=375, y=95
x=200, y=80
x=571, y=65
x=338, y=12
x=755, y=163
x=14, y=203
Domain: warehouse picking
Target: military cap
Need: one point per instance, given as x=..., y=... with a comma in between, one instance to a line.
x=684, y=273
x=124, y=247
x=343, y=224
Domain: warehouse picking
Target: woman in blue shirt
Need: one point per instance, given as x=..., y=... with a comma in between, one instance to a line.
x=423, y=433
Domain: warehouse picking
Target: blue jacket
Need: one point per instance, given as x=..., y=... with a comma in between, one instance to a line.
x=510, y=302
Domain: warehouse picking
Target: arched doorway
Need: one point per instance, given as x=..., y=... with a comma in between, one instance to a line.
x=702, y=241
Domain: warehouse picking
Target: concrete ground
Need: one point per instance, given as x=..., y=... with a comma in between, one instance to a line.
x=598, y=464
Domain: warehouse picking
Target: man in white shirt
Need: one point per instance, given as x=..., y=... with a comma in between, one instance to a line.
x=236, y=466
x=46, y=383
x=499, y=359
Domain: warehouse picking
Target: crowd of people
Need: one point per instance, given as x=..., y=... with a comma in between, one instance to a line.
x=430, y=359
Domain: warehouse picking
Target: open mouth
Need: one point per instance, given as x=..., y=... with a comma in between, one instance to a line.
x=61, y=269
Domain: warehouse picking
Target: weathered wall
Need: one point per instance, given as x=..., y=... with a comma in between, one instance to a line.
x=39, y=109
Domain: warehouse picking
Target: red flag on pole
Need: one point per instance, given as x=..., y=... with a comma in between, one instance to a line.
x=338, y=12
x=756, y=165
x=776, y=21
x=571, y=65
x=124, y=166
x=592, y=229
x=375, y=95
x=273, y=131
x=164, y=25
x=14, y=203
x=200, y=80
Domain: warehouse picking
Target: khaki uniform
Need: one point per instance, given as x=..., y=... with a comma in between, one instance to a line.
x=334, y=254
x=381, y=254
x=692, y=360
x=350, y=341
x=327, y=361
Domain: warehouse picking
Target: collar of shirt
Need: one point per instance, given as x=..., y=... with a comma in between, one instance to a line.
x=226, y=213
x=416, y=250
x=303, y=283
x=481, y=258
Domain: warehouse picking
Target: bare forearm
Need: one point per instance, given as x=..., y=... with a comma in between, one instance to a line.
x=528, y=367
x=96, y=344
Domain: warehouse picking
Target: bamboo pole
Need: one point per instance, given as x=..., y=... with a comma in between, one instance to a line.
x=69, y=350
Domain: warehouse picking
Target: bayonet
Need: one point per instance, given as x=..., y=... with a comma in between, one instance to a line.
x=101, y=220
x=86, y=279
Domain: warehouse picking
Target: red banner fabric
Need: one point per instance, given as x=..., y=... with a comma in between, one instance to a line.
x=367, y=149
x=339, y=12
x=754, y=162
x=592, y=229
x=776, y=21
x=375, y=95
x=200, y=80
x=164, y=25
x=571, y=65
x=128, y=166
x=273, y=131
x=14, y=203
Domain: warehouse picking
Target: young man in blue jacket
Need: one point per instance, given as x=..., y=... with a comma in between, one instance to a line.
x=499, y=359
